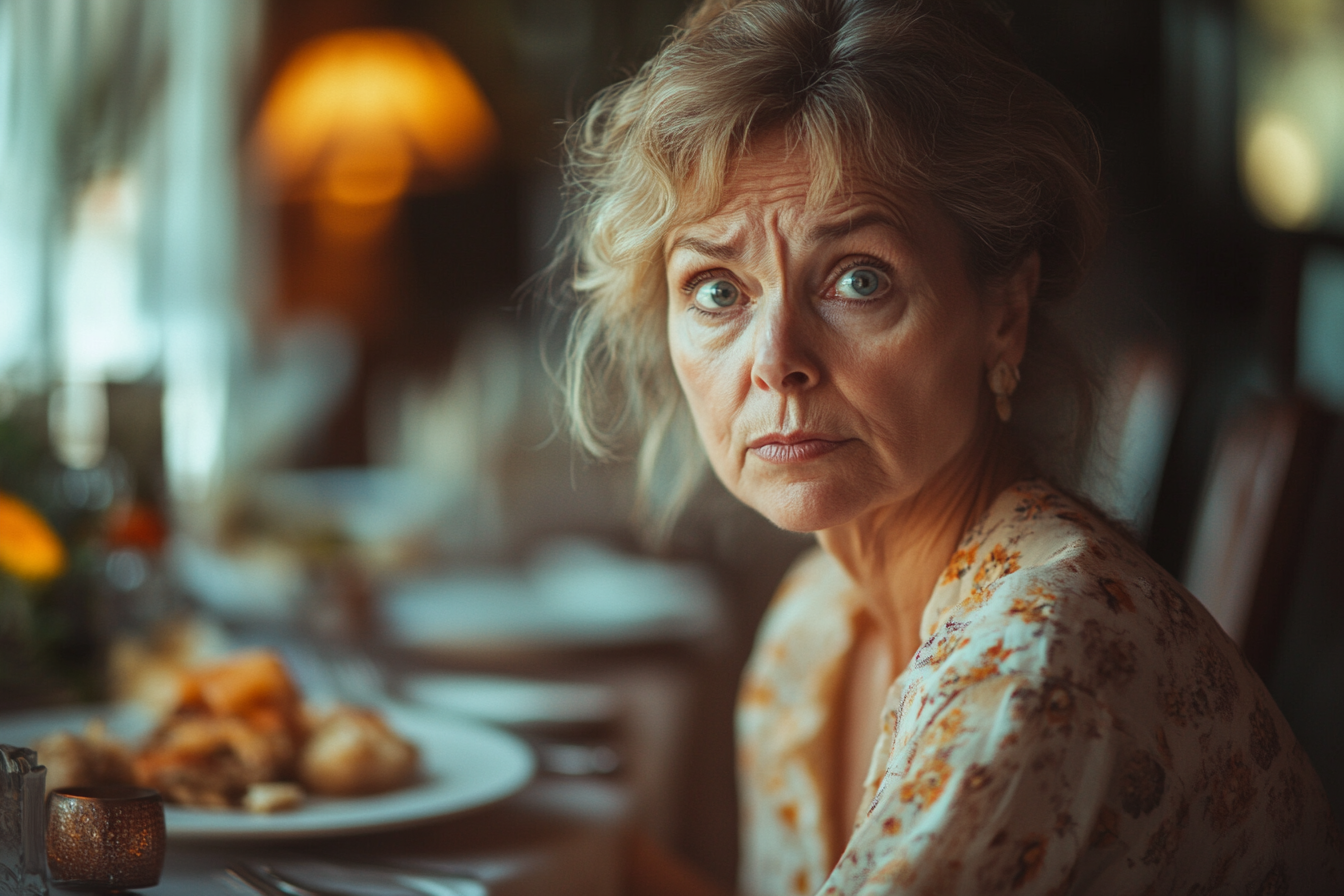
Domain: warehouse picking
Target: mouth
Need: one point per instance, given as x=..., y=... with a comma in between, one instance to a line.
x=794, y=447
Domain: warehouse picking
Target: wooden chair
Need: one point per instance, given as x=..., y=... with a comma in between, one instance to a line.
x=1250, y=525
x=1136, y=420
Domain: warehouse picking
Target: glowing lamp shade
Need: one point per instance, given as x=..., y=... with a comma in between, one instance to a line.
x=353, y=116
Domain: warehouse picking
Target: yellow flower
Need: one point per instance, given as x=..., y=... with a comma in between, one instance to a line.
x=28, y=547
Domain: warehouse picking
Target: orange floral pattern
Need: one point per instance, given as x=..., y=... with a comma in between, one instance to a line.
x=1075, y=722
x=961, y=563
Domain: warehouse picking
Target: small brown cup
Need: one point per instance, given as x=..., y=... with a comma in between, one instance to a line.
x=104, y=839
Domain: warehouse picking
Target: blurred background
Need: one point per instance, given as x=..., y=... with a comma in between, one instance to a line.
x=267, y=351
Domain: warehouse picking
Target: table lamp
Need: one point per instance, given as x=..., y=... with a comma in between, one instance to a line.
x=356, y=118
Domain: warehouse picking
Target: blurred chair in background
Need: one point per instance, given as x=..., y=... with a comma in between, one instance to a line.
x=1252, y=519
x=1137, y=416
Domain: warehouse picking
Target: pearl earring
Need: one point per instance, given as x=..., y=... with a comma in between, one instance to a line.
x=1003, y=379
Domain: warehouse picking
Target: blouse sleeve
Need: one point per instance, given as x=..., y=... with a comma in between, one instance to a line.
x=999, y=790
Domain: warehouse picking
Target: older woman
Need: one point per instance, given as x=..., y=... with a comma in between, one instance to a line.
x=830, y=237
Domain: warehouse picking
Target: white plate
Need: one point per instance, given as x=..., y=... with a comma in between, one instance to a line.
x=502, y=700
x=464, y=765
x=572, y=594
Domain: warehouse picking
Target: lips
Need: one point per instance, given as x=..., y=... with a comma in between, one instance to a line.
x=793, y=448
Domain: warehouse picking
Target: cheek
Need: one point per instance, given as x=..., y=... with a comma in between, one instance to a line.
x=707, y=382
x=922, y=393
x=953, y=393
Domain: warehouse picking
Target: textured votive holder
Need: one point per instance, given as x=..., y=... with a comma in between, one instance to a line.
x=104, y=839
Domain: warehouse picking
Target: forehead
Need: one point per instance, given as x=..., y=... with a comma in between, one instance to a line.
x=773, y=184
x=771, y=178
x=771, y=174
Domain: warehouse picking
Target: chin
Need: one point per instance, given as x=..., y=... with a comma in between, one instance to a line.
x=805, y=507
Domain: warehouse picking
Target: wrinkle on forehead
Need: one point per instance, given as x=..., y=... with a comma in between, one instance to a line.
x=761, y=200
x=775, y=177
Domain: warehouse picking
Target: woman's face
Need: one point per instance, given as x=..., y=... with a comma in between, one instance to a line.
x=834, y=358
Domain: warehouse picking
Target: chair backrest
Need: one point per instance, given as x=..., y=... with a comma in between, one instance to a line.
x=1249, y=527
x=1136, y=419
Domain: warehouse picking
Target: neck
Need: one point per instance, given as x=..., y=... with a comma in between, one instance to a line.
x=896, y=552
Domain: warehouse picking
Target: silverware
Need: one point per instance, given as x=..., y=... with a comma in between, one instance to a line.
x=268, y=881
x=359, y=679
x=329, y=675
x=287, y=884
x=448, y=886
x=250, y=878
x=265, y=879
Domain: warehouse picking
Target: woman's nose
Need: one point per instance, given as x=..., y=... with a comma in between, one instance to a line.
x=784, y=360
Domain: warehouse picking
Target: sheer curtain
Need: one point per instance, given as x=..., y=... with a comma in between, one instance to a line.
x=120, y=236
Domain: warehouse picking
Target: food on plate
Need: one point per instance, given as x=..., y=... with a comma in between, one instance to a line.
x=239, y=734
x=203, y=760
x=236, y=724
x=73, y=760
x=351, y=751
x=273, y=796
x=147, y=669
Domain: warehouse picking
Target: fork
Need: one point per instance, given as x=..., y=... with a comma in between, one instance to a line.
x=337, y=676
x=269, y=882
x=358, y=678
x=253, y=878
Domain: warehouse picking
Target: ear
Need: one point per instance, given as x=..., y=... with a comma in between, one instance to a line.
x=1010, y=313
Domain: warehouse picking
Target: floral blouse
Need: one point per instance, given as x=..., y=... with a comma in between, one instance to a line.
x=1074, y=722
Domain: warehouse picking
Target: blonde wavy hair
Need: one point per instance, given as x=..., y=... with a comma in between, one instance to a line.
x=925, y=95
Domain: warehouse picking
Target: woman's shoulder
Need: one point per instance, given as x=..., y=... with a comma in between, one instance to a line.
x=1045, y=589
x=1049, y=608
x=1038, y=556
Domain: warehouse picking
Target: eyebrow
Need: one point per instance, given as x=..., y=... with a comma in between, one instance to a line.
x=717, y=251
x=818, y=234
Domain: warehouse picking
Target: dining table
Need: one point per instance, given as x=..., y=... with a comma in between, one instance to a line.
x=559, y=835
x=510, y=805
x=585, y=670
x=495, y=810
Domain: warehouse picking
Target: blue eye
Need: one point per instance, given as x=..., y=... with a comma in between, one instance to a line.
x=717, y=294
x=860, y=283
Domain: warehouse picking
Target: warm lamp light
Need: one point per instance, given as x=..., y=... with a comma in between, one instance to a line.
x=353, y=116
